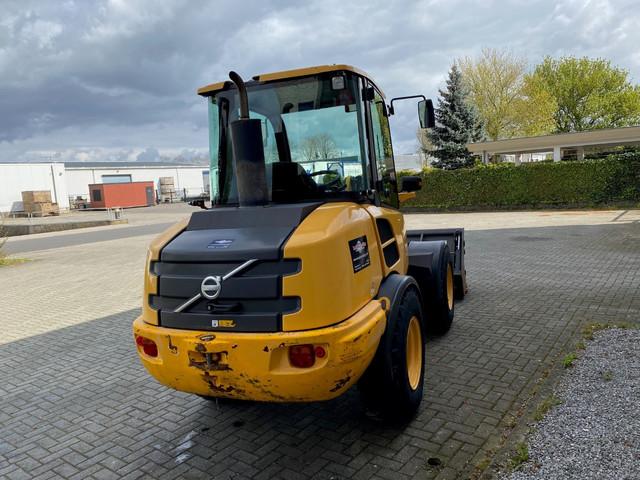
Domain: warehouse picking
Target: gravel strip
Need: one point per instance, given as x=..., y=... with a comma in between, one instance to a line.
x=595, y=432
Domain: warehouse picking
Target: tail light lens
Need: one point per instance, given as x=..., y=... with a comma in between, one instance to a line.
x=302, y=356
x=148, y=346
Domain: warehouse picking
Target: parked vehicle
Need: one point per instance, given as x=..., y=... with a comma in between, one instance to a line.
x=300, y=280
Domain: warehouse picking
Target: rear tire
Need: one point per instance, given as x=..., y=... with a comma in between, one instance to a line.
x=392, y=386
x=439, y=302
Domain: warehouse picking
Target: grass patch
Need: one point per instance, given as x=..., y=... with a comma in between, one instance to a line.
x=511, y=421
x=8, y=261
x=589, y=330
x=592, y=328
x=567, y=361
x=483, y=464
x=544, y=407
x=607, y=376
x=5, y=259
x=520, y=456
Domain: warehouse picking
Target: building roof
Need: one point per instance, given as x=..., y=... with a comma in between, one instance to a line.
x=604, y=137
x=111, y=165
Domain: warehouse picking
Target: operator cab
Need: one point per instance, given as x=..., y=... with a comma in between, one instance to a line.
x=325, y=135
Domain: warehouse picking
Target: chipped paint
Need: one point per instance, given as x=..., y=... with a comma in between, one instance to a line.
x=341, y=383
x=172, y=347
x=209, y=361
x=212, y=382
x=256, y=366
x=257, y=384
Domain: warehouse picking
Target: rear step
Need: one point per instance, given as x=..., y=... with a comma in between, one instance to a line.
x=455, y=239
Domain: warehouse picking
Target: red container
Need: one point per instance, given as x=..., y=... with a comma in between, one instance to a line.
x=131, y=194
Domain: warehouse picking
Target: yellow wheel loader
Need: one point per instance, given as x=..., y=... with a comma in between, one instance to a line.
x=299, y=280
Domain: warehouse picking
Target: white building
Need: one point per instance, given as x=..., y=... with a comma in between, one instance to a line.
x=18, y=177
x=190, y=179
x=71, y=180
x=556, y=146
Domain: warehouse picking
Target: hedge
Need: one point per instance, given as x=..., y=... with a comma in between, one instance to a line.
x=615, y=179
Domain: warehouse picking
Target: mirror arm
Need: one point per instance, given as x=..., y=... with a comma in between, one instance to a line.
x=391, y=109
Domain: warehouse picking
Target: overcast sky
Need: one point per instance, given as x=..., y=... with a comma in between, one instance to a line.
x=116, y=80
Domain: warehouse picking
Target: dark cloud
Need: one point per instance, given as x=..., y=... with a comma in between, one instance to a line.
x=108, y=79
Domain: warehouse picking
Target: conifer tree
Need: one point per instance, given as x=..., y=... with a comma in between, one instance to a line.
x=457, y=124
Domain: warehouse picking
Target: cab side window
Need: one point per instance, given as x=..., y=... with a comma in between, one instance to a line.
x=383, y=150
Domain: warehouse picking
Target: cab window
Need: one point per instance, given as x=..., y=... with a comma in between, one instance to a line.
x=313, y=139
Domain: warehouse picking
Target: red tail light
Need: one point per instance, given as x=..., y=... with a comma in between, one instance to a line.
x=148, y=346
x=320, y=351
x=302, y=356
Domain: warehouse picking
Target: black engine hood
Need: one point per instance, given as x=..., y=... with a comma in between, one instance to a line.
x=236, y=234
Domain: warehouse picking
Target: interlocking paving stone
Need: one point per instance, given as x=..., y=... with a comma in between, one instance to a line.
x=76, y=403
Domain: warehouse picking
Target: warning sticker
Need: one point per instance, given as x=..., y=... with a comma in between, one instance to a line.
x=359, y=253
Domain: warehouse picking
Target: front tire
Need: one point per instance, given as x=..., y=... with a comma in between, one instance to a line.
x=392, y=387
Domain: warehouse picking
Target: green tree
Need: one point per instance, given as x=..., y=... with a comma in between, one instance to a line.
x=534, y=110
x=507, y=104
x=456, y=125
x=589, y=93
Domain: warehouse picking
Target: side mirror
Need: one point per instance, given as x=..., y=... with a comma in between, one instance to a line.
x=426, y=114
x=411, y=183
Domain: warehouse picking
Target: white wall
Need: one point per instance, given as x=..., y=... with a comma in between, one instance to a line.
x=18, y=177
x=189, y=177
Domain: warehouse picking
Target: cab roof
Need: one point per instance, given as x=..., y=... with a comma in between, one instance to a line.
x=212, y=88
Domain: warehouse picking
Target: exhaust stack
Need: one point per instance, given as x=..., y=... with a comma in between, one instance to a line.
x=246, y=141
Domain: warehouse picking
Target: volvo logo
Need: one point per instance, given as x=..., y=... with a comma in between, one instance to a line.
x=210, y=287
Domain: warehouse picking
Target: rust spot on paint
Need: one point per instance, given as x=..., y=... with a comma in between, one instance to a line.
x=201, y=348
x=235, y=345
x=266, y=349
x=341, y=383
x=257, y=384
x=212, y=368
x=209, y=361
x=172, y=347
x=212, y=382
x=357, y=338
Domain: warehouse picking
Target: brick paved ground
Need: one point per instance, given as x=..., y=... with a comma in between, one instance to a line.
x=76, y=403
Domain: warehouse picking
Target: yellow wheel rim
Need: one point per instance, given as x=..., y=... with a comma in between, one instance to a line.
x=414, y=353
x=449, y=286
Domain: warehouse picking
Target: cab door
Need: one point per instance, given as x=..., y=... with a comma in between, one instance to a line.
x=389, y=220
